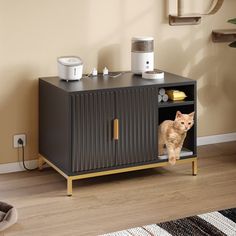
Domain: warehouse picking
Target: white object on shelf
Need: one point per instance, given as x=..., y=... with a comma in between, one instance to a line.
x=165, y=98
x=94, y=72
x=159, y=98
x=105, y=71
x=184, y=152
x=162, y=91
x=153, y=75
x=70, y=68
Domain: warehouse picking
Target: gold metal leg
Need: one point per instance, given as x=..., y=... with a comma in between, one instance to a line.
x=70, y=179
x=194, y=167
x=40, y=163
x=69, y=186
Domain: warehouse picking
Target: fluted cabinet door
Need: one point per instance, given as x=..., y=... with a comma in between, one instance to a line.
x=93, y=146
x=136, y=110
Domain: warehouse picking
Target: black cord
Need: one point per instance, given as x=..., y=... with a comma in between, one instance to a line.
x=20, y=142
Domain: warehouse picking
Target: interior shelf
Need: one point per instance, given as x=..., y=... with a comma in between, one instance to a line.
x=227, y=35
x=185, y=152
x=184, y=20
x=175, y=103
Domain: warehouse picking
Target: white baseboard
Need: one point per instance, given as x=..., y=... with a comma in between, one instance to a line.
x=221, y=138
x=17, y=166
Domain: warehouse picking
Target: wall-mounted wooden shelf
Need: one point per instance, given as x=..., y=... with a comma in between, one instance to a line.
x=184, y=20
x=227, y=35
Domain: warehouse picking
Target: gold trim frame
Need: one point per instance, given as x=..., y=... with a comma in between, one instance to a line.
x=69, y=179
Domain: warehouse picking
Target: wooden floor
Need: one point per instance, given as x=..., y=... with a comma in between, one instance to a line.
x=105, y=204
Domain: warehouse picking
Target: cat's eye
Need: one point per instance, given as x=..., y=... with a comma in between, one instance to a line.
x=189, y=123
x=182, y=123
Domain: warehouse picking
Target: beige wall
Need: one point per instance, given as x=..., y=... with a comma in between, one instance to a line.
x=33, y=33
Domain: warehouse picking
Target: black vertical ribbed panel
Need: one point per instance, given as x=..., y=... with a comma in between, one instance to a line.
x=136, y=110
x=94, y=113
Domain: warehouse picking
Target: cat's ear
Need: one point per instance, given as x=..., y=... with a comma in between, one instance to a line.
x=178, y=114
x=192, y=114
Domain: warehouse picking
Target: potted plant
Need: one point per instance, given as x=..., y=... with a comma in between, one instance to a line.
x=233, y=44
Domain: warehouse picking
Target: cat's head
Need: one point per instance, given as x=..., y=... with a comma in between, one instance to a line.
x=184, y=121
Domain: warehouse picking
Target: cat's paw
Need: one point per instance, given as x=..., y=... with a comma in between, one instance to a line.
x=178, y=157
x=172, y=160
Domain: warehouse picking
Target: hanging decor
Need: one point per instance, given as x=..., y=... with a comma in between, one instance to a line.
x=183, y=18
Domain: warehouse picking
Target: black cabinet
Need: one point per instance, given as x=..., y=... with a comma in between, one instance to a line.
x=104, y=124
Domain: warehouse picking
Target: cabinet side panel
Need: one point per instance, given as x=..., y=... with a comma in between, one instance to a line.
x=54, y=125
x=95, y=148
x=137, y=114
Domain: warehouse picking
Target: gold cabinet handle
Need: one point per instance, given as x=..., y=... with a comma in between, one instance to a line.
x=116, y=129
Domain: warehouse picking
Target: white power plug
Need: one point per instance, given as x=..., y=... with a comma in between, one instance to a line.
x=94, y=72
x=105, y=71
x=16, y=139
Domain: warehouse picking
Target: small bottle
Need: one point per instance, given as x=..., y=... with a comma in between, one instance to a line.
x=94, y=72
x=105, y=71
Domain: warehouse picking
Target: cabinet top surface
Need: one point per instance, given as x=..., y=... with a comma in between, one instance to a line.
x=127, y=79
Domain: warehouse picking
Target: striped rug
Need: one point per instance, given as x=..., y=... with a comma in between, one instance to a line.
x=209, y=224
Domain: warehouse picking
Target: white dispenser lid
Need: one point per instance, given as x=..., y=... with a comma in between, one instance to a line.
x=142, y=38
x=70, y=61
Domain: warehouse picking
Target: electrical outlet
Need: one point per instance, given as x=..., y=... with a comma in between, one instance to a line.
x=16, y=138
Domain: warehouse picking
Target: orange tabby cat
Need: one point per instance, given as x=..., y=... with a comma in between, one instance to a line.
x=172, y=134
